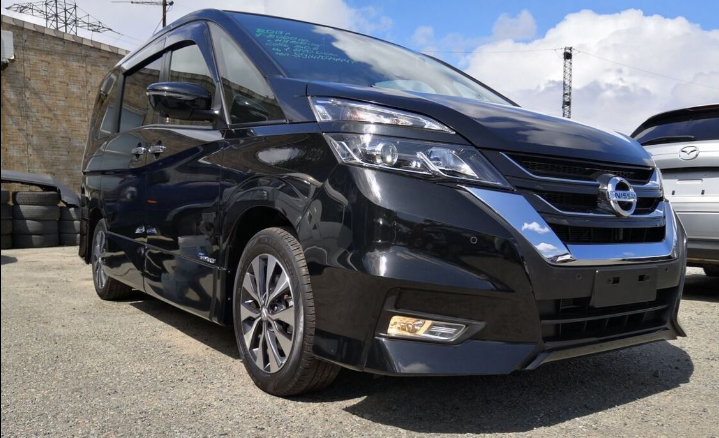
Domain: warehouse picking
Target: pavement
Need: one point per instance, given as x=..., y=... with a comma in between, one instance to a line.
x=73, y=365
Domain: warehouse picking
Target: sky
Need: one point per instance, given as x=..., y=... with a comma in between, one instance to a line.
x=632, y=59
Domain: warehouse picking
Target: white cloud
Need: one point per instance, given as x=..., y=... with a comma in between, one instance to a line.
x=521, y=27
x=423, y=35
x=534, y=226
x=506, y=27
x=608, y=94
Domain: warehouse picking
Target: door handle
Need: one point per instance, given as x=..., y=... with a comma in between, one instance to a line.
x=157, y=149
x=138, y=151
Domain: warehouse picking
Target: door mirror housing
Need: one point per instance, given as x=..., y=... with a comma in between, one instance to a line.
x=181, y=100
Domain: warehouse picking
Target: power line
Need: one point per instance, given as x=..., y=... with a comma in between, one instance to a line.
x=60, y=15
x=164, y=3
x=482, y=52
x=645, y=70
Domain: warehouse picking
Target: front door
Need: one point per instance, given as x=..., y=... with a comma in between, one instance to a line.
x=182, y=197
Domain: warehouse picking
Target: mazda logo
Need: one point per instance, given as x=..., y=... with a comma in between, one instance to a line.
x=688, y=152
x=616, y=195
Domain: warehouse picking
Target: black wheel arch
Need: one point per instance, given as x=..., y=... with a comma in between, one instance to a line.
x=252, y=221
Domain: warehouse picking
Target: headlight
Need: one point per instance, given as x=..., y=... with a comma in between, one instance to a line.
x=439, y=160
x=330, y=109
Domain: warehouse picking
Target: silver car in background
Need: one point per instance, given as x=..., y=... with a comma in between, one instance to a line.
x=685, y=145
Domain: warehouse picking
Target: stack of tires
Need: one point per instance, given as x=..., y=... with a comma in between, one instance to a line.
x=69, y=226
x=35, y=219
x=6, y=220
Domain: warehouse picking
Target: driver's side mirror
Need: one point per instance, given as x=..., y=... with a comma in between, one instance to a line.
x=181, y=100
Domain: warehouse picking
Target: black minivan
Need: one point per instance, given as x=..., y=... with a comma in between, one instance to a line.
x=345, y=202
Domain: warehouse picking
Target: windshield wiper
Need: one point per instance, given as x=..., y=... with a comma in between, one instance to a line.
x=668, y=139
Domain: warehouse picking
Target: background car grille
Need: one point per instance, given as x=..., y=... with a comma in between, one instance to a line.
x=575, y=319
x=578, y=170
x=578, y=235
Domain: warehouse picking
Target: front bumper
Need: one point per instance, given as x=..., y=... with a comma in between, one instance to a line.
x=458, y=255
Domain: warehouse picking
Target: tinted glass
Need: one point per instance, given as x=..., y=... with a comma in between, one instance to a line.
x=312, y=52
x=106, y=107
x=188, y=65
x=704, y=128
x=248, y=97
x=136, y=109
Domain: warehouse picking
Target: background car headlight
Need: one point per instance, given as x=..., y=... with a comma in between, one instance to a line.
x=444, y=161
x=330, y=109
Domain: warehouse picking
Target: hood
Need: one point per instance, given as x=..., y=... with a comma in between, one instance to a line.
x=502, y=127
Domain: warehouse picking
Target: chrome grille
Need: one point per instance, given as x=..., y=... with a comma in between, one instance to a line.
x=587, y=203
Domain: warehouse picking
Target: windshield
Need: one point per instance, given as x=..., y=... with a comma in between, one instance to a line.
x=317, y=53
x=697, y=127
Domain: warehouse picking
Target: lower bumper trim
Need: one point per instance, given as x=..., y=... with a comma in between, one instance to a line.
x=584, y=350
x=412, y=358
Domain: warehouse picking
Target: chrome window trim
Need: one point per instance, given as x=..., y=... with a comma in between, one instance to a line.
x=652, y=183
x=519, y=214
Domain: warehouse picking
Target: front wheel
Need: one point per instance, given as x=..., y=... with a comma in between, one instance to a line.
x=274, y=316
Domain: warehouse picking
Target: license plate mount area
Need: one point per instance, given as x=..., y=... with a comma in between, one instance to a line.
x=621, y=287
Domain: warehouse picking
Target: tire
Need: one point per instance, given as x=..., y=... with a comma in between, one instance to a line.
x=69, y=213
x=20, y=226
x=107, y=288
x=6, y=227
x=35, y=198
x=6, y=211
x=69, y=227
x=69, y=239
x=6, y=242
x=35, y=240
x=36, y=212
x=5, y=197
x=300, y=371
x=711, y=271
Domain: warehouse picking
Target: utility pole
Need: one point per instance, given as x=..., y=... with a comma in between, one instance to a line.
x=164, y=3
x=567, y=85
x=164, y=13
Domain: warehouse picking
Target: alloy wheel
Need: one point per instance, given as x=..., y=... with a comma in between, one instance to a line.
x=98, y=260
x=267, y=313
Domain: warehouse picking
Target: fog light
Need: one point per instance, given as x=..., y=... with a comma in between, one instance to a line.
x=410, y=327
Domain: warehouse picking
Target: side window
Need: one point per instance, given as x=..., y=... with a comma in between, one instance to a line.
x=105, y=107
x=136, y=109
x=248, y=96
x=188, y=65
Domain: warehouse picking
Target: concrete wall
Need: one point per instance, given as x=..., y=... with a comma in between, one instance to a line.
x=47, y=97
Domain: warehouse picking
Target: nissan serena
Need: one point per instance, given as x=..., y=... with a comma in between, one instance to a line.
x=342, y=201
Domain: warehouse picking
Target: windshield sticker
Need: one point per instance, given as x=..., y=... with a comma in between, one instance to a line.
x=282, y=43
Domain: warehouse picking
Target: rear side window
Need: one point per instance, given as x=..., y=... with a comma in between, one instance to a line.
x=188, y=65
x=703, y=126
x=136, y=110
x=248, y=96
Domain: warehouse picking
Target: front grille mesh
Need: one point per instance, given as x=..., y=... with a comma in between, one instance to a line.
x=579, y=235
x=574, y=318
x=571, y=169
